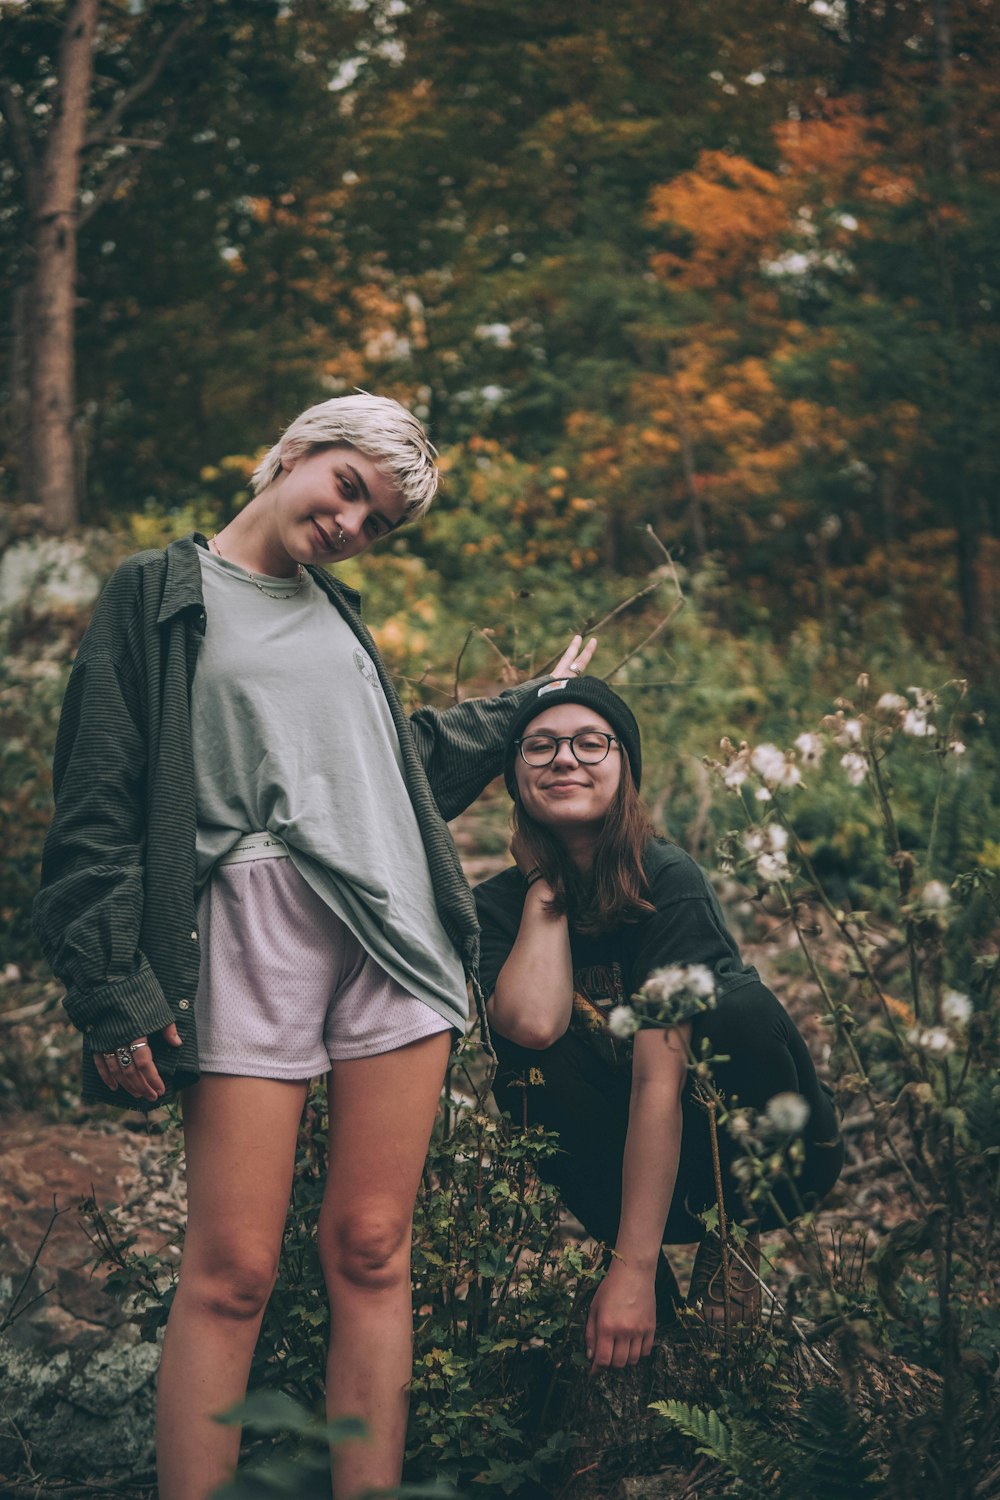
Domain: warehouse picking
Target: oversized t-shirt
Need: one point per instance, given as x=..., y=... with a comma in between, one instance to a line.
x=687, y=927
x=293, y=736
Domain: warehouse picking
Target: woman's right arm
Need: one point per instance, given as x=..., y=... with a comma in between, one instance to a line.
x=532, y=1002
x=88, y=911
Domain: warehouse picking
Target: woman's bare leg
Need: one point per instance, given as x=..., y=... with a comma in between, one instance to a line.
x=381, y=1113
x=240, y=1145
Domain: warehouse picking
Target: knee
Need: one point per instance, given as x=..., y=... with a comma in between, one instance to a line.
x=232, y=1289
x=370, y=1250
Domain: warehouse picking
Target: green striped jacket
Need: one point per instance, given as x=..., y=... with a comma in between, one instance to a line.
x=115, y=912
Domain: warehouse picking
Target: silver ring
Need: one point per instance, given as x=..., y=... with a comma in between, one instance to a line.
x=109, y=1056
x=136, y=1045
x=124, y=1056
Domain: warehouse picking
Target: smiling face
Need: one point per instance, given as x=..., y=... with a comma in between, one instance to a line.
x=566, y=796
x=332, y=504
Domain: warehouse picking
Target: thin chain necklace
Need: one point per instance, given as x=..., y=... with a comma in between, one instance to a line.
x=300, y=573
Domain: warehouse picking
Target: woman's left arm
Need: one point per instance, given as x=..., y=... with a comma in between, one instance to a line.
x=622, y=1320
x=462, y=747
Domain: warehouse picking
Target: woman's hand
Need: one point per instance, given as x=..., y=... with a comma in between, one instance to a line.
x=575, y=659
x=132, y=1067
x=520, y=855
x=621, y=1323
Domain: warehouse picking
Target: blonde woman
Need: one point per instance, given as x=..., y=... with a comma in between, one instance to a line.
x=249, y=881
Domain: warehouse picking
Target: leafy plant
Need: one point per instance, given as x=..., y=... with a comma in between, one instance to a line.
x=824, y=1455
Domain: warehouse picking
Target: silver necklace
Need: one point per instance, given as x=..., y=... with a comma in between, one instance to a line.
x=300, y=573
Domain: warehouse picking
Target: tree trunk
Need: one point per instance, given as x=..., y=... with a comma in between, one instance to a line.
x=53, y=293
x=17, y=419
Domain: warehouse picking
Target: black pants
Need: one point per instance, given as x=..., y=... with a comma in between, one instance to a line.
x=586, y=1101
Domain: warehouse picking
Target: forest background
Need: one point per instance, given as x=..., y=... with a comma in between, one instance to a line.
x=699, y=302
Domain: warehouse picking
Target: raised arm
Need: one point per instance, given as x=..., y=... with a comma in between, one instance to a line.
x=622, y=1320
x=462, y=747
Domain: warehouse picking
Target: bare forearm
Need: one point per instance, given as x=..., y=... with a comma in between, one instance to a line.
x=649, y=1171
x=533, y=999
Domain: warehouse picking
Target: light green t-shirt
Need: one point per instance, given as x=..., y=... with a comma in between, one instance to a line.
x=293, y=735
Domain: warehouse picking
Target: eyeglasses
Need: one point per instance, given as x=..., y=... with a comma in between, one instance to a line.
x=589, y=747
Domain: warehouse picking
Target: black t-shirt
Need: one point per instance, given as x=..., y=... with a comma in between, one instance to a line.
x=687, y=927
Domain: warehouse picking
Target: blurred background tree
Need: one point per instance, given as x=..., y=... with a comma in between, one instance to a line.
x=723, y=268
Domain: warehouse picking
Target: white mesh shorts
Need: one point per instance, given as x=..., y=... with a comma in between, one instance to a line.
x=285, y=987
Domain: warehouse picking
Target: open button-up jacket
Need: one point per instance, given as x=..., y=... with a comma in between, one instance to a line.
x=115, y=913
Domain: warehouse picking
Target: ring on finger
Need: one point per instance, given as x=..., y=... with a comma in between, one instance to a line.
x=124, y=1056
x=109, y=1056
x=136, y=1045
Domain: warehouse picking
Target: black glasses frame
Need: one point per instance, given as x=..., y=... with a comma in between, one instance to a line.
x=568, y=739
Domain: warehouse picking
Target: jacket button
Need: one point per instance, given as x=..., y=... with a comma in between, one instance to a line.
x=194, y=936
x=184, y=1005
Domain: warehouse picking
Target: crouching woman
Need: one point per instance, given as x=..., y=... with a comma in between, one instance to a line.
x=595, y=905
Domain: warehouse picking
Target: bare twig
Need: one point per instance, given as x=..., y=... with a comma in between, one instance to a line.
x=456, y=694
x=14, y=1312
x=20, y=134
x=28, y=1012
x=105, y=129
x=107, y=190
x=658, y=630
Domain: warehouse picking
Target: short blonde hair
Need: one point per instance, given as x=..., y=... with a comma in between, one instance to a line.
x=377, y=426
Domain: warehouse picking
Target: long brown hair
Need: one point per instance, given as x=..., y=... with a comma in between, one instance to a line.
x=615, y=890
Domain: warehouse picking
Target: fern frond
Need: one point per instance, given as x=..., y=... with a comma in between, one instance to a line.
x=707, y=1428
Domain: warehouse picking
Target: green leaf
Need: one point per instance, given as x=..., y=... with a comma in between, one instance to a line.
x=711, y=1434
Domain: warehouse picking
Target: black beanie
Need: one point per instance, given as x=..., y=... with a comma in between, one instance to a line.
x=590, y=691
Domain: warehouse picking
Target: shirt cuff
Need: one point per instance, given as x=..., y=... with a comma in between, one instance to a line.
x=118, y=1012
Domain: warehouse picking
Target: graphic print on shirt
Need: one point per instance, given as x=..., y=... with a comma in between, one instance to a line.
x=597, y=989
x=365, y=666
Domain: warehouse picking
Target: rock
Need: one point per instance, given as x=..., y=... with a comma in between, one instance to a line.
x=76, y=1380
x=52, y=575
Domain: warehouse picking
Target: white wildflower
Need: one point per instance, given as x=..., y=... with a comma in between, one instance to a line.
x=956, y=747
x=623, y=1022
x=855, y=766
x=769, y=763
x=933, y=1040
x=777, y=837
x=852, y=731
x=891, y=703
x=787, y=1113
x=664, y=983
x=926, y=701
x=956, y=1008
x=810, y=747
x=734, y=775
x=738, y=1123
x=916, y=723
x=935, y=895
x=772, y=867
x=700, y=980
x=763, y=794
x=791, y=775
x=756, y=840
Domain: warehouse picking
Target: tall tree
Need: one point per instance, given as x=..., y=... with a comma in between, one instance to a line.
x=46, y=96
x=51, y=177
